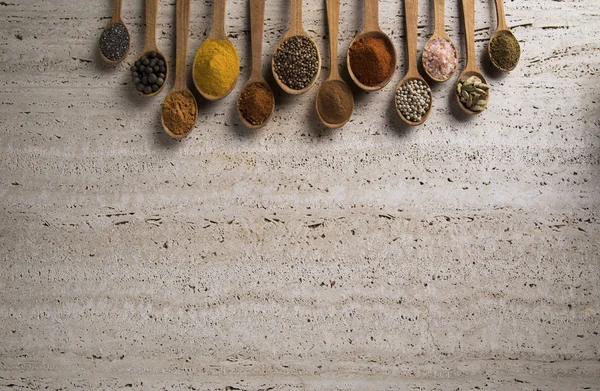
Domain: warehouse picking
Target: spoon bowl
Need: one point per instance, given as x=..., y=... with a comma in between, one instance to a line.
x=250, y=82
x=321, y=111
x=116, y=19
x=439, y=32
x=182, y=23
x=217, y=32
x=424, y=117
x=296, y=30
x=466, y=74
x=502, y=30
x=371, y=29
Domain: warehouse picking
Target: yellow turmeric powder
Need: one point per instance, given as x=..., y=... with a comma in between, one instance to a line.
x=216, y=67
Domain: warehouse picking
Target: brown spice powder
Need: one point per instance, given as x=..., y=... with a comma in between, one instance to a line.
x=179, y=112
x=371, y=60
x=256, y=103
x=334, y=104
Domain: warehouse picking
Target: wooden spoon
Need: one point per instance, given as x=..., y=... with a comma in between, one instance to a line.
x=333, y=13
x=182, y=24
x=471, y=69
x=371, y=29
x=150, y=45
x=439, y=32
x=411, y=8
x=116, y=18
x=295, y=30
x=502, y=29
x=217, y=32
x=257, y=16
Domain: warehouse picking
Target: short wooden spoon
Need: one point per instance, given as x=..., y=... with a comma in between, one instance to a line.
x=371, y=29
x=411, y=8
x=502, y=29
x=439, y=32
x=150, y=45
x=116, y=19
x=333, y=12
x=296, y=30
x=217, y=32
x=257, y=17
x=471, y=69
x=182, y=24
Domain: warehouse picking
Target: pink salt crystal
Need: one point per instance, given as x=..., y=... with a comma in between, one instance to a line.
x=439, y=59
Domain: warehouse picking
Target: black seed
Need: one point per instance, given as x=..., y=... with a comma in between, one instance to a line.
x=142, y=68
x=136, y=81
x=161, y=63
x=140, y=87
x=160, y=81
x=145, y=80
x=147, y=90
x=137, y=64
x=134, y=74
x=152, y=78
x=155, y=88
x=161, y=75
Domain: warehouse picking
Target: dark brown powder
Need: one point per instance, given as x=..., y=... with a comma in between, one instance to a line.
x=371, y=60
x=334, y=103
x=256, y=103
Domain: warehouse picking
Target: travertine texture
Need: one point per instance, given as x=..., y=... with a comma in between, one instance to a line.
x=462, y=254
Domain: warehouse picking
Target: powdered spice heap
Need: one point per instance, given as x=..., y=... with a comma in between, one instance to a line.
x=179, y=112
x=334, y=104
x=256, y=103
x=505, y=51
x=371, y=60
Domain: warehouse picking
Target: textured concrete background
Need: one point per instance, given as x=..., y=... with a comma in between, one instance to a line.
x=463, y=254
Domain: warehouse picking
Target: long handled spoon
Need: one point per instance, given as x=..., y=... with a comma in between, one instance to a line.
x=439, y=34
x=503, y=31
x=412, y=81
x=296, y=30
x=217, y=32
x=334, y=82
x=371, y=29
x=150, y=51
x=471, y=69
x=113, y=37
x=181, y=35
x=257, y=16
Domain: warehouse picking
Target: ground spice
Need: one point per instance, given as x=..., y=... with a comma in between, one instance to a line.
x=439, y=59
x=256, y=103
x=179, y=112
x=371, y=60
x=216, y=67
x=505, y=51
x=334, y=103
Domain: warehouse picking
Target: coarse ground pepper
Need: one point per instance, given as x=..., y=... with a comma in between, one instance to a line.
x=371, y=60
x=256, y=103
x=216, y=67
x=296, y=62
x=179, y=112
x=505, y=51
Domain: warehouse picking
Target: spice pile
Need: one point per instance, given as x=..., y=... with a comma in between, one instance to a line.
x=473, y=93
x=114, y=41
x=505, y=51
x=413, y=99
x=439, y=59
x=256, y=103
x=296, y=62
x=335, y=102
x=216, y=67
x=179, y=112
x=149, y=73
x=371, y=60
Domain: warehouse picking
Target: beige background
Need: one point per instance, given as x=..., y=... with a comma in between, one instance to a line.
x=463, y=254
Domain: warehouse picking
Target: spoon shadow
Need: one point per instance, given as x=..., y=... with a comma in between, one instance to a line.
x=487, y=67
x=401, y=129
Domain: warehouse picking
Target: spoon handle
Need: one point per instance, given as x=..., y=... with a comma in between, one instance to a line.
x=182, y=23
x=257, y=17
x=151, y=13
x=500, y=15
x=439, y=15
x=371, y=15
x=411, y=8
x=296, y=17
x=468, y=7
x=333, y=14
x=218, y=24
x=117, y=11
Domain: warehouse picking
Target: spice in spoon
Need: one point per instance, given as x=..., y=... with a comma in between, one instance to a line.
x=439, y=59
x=296, y=62
x=413, y=99
x=114, y=41
x=256, y=103
x=334, y=103
x=505, y=50
x=371, y=60
x=216, y=67
x=473, y=93
x=179, y=112
x=149, y=73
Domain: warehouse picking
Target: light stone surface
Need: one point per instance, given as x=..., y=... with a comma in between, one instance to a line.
x=459, y=255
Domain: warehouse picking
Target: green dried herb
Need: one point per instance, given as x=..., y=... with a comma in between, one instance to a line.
x=505, y=51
